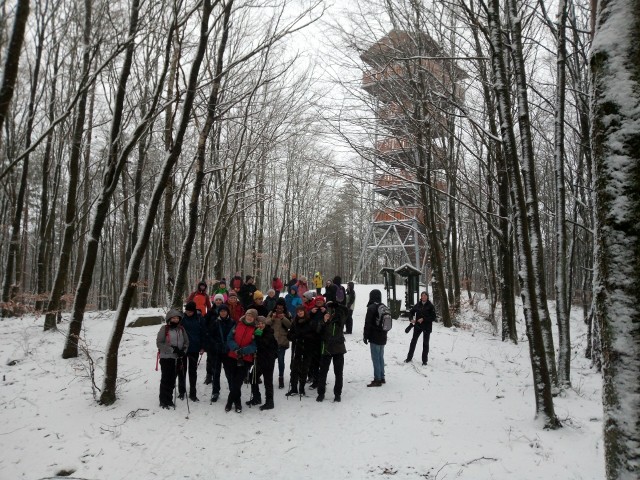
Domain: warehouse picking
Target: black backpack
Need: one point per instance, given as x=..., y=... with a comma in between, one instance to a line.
x=385, y=322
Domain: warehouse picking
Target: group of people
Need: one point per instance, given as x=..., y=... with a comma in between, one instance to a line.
x=244, y=333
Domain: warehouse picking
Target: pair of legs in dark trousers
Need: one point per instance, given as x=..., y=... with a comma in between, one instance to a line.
x=236, y=374
x=314, y=361
x=188, y=362
x=167, y=380
x=215, y=364
x=299, y=371
x=338, y=368
x=425, y=344
x=264, y=369
x=348, y=323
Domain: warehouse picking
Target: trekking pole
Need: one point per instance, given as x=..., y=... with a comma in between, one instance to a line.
x=175, y=385
x=185, y=373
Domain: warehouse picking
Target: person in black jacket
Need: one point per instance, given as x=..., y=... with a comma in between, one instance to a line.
x=332, y=349
x=194, y=326
x=266, y=354
x=425, y=314
x=376, y=337
x=218, y=327
x=351, y=300
x=245, y=295
x=301, y=335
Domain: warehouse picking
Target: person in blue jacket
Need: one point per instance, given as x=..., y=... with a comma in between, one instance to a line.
x=292, y=300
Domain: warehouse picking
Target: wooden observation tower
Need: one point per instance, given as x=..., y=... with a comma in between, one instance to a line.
x=411, y=82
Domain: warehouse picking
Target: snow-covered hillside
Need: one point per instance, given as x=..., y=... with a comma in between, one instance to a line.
x=468, y=414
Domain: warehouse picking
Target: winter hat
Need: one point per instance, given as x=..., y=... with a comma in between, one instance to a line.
x=248, y=277
x=190, y=307
x=201, y=284
x=257, y=294
x=350, y=285
x=271, y=291
x=303, y=279
x=172, y=313
x=233, y=293
x=222, y=282
x=308, y=294
x=252, y=312
x=337, y=280
x=375, y=296
x=320, y=298
x=281, y=301
x=223, y=307
x=218, y=296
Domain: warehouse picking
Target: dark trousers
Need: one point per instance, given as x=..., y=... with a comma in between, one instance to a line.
x=319, y=291
x=236, y=374
x=349, y=322
x=264, y=369
x=338, y=368
x=299, y=370
x=167, y=380
x=425, y=344
x=215, y=362
x=190, y=363
x=314, y=360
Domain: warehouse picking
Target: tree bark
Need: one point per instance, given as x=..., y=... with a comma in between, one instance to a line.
x=108, y=395
x=615, y=71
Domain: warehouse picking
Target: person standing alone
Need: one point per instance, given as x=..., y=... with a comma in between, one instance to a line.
x=376, y=337
x=425, y=314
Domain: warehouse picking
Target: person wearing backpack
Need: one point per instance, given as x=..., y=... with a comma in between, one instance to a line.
x=336, y=292
x=172, y=342
x=421, y=316
x=332, y=349
x=376, y=336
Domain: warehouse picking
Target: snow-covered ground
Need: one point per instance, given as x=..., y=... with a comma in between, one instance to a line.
x=468, y=414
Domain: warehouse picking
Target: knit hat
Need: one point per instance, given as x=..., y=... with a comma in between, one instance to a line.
x=320, y=298
x=252, y=312
x=257, y=294
x=222, y=282
x=271, y=291
x=190, y=307
x=248, y=277
x=202, y=284
x=308, y=294
x=233, y=293
x=218, y=296
x=172, y=313
x=225, y=308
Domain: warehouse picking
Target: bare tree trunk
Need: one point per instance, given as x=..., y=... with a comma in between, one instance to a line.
x=212, y=111
x=53, y=305
x=562, y=304
x=541, y=378
x=14, y=242
x=116, y=162
x=108, y=395
x=12, y=59
x=616, y=149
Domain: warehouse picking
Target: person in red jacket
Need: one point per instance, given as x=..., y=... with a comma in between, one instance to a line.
x=200, y=298
x=235, y=309
x=242, y=347
x=277, y=285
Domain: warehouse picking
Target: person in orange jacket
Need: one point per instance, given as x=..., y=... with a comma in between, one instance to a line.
x=201, y=299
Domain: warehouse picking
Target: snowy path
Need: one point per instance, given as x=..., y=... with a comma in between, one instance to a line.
x=468, y=414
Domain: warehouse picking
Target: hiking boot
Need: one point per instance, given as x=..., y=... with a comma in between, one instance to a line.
x=407, y=360
x=280, y=382
x=424, y=363
x=302, y=393
x=238, y=407
x=207, y=379
x=314, y=385
x=291, y=393
x=320, y=398
x=227, y=407
x=337, y=398
x=375, y=383
x=193, y=398
x=214, y=397
x=383, y=381
x=166, y=406
x=254, y=401
x=181, y=396
x=268, y=405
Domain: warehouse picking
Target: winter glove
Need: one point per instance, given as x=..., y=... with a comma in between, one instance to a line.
x=365, y=341
x=179, y=353
x=257, y=332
